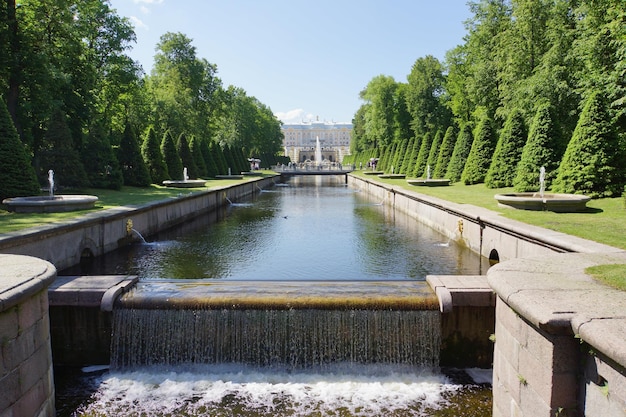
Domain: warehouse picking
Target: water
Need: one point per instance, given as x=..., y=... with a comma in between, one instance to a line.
x=265, y=362
x=315, y=228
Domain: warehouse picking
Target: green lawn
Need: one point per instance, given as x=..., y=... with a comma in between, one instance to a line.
x=613, y=275
x=604, y=222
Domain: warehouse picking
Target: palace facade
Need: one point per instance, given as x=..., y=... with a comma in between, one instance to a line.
x=300, y=140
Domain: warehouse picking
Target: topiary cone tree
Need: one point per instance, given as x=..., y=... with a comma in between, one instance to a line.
x=153, y=157
x=540, y=150
x=171, y=157
x=480, y=155
x=445, y=152
x=129, y=156
x=508, y=152
x=459, y=154
x=593, y=163
x=182, y=147
x=17, y=175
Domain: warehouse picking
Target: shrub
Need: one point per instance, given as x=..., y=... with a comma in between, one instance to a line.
x=129, y=156
x=445, y=152
x=182, y=147
x=422, y=156
x=170, y=156
x=480, y=155
x=100, y=162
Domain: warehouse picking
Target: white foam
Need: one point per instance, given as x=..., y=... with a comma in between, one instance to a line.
x=364, y=391
x=480, y=376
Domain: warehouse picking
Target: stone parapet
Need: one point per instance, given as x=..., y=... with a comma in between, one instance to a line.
x=26, y=377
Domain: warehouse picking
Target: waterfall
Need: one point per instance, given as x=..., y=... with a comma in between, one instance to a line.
x=297, y=324
x=296, y=338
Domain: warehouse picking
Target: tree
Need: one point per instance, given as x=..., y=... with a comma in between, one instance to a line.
x=540, y=150
x=462, y=148
x=198, y=159
x=170, y=156
x=434, y=151
x=183, y=150
x=445, y=152
x=422, y=157
x=100, y=161
x=593, y=163
x=380, y=94
x=153, y=157
x=60, y=155
x=508, y=152
x=17, y=176
x=480, y=155
x=133, y=166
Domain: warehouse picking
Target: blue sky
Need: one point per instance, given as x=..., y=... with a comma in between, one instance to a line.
x=304, y=60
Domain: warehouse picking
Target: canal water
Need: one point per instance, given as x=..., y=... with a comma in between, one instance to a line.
x=307, y=229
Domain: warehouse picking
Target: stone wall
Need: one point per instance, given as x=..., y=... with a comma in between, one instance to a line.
x=26, y=376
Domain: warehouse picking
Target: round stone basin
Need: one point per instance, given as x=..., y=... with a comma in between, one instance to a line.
x=392, y=176
x=429, y=183
x=50, y=204
x=184, y=184
x=560, y=203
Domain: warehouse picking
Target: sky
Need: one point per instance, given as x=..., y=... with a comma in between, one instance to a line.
x=304, y=60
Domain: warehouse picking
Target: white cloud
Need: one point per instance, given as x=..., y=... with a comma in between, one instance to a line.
x=149, y=1
x=144, y=10
x=138, y=23
x=293, y=116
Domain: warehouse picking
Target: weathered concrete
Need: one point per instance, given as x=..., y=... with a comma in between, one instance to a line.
x=26, y=382
x=560, y=338
x=80, y=317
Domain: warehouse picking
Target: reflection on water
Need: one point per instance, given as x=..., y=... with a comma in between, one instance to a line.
x=311, y=229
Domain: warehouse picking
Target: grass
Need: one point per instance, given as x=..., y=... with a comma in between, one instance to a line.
x=613, y=275
x=603, y=222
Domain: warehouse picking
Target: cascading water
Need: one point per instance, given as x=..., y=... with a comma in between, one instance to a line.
x=318, y=151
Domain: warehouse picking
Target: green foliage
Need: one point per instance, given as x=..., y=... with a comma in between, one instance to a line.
x=198, y=159
x=153, y=157
x=445, y=152
x=220, y=161
x=400, y=155
x=480, y=155
x=134, y=168
x=593, y=163
x=406, y=160
x=508, y=152
x=422, y=157
x=170, y=155
x=100, y=162
x=211, y=167
x=183, y=150
x=540, y=150
x=17, y=176
x=459, y=155
x=434, y=152
x=60, y=155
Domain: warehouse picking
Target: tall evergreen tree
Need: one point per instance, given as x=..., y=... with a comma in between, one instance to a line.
x=540, y=150
x=593, y=163
x=422, y=157
x=133, y=166
x=153, y=157
x=407, y=161
x=17, y=176
x=434, y=151
x=211, y=166
x=60, y=155
x=220, y=161
x=196, y=153
x=480, y=155
x=459, y=154
x=182, y=147
x=445, y=152
x=399, y=160
x=170, y=156
x=508, y=152
x=100, y=161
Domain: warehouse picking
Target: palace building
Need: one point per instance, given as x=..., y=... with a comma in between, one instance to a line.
x=300, y=140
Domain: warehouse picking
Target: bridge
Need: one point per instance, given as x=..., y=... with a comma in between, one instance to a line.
x=310, y=169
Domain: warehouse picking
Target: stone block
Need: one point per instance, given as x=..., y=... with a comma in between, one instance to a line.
x=29, y=312
x=507, y=375
x=9, y=389
x=34, y=368
x=532, y=404
x=507, y=344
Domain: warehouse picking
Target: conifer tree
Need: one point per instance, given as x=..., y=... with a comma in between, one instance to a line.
x=211, y=166
x=593, y=163
x=153, y=157
x=17, y=176
x=198, y=159
x=170, y=156
x=182, y=147
x=134, y=168
x=459, y=155
x=540, y=150
x=406, y=161
x=218, y=157
x=445, y=152
x=230, y=160
x=434, y=151
x=400, y=157
x=480, y=155
x=417, y=143
x=60, y=155
x=100, y=161
x=508, y=152
x=422, y=157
